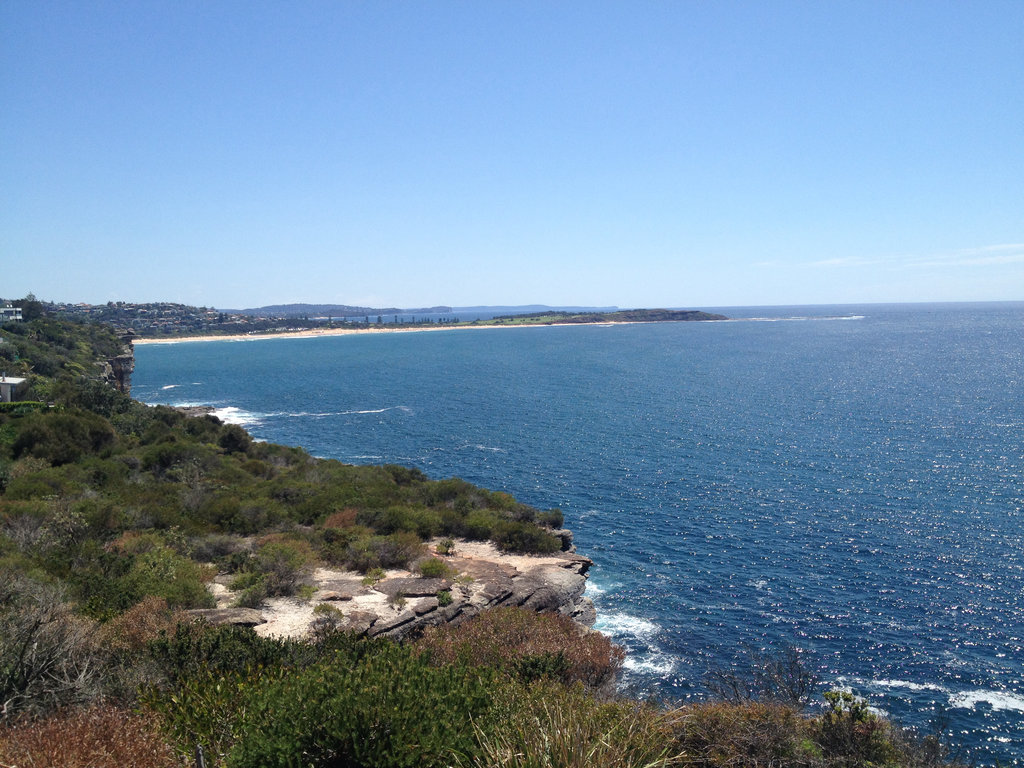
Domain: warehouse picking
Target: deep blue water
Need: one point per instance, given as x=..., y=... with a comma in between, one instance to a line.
x=846, y=479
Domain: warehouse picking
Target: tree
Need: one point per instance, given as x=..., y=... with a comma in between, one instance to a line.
x=31, y=308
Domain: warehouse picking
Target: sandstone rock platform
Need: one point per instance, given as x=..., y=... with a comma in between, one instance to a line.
x=402, y=604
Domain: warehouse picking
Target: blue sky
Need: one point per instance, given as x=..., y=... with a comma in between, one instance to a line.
x=234, y=154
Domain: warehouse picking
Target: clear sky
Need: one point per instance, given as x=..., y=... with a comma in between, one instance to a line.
x=672, y=153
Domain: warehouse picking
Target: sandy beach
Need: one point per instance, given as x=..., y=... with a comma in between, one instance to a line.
x=312, y=333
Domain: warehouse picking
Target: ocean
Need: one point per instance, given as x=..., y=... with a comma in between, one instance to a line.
x=848, y=480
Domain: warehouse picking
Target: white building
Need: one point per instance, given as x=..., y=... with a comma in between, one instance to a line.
x=8, y=313
x=8, y=385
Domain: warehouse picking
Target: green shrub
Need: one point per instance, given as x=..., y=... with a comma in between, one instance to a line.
x=445, y=547
x=553, y=518
x=177, y=579
x=510, y=536
x=63, y=438
x=195, y=650
x=721, y=733
x=405, y=475
x=425, y=523
x=394, y=551
x=477, y=525
x=253, y=595
x=849, y=729
x=22, y=407
x=551, y=725
x=282, y=561
x=380, y=710
x=234, y=439
x=432, y=568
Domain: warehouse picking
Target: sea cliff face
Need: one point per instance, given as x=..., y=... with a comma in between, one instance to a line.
x=117, y=370
x=402, y=604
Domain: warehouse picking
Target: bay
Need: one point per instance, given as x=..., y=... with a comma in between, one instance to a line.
x=847, y=480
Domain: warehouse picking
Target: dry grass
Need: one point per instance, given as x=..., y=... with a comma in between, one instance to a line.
x=753, y=733
x=505, y=638
x=131, y=631
x=344, y=518
x=550, y=726
x=101, y=736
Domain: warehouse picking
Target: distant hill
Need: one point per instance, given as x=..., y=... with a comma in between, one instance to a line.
x=527, y=309
x=347, y=310
x=620, y=316
x=330, y=310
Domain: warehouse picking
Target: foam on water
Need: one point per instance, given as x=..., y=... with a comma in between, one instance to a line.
x=906, y=684
x=328, y=414
x=230, y=414
x=998, y=700
x=592, y=590
x=623, y=625
x=656, y=663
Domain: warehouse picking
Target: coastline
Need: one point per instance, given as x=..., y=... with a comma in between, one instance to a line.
x=313, y=333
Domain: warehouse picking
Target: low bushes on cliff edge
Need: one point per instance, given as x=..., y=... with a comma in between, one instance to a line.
x=100, y=736
x=526, y=645
x=548, y=724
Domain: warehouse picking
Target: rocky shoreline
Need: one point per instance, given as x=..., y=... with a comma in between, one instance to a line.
x=401, y=604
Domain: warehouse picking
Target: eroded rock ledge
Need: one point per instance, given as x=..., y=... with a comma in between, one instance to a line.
x=402, y=604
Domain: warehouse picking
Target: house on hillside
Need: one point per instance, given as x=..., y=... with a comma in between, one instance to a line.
x=9, y=313
x=9, y=387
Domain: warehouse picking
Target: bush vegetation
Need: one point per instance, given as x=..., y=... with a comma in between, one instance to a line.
x=115, y=515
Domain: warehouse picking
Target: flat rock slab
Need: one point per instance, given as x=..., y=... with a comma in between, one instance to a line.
x=242, y=617
x=346, y=585
x=411, y=587
x=483, y=570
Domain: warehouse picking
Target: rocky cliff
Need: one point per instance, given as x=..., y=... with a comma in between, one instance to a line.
x=401, y=604
x=117, y=370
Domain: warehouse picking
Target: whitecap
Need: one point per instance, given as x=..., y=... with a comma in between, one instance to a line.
x=328, y=414
x=998, y=700
x=908, y=685
x=170, y=386
x=619, y=624
x=593, y=590
x=651, y=663
x=232, y=415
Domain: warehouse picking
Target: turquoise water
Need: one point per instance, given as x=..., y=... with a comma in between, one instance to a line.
x=849, y=480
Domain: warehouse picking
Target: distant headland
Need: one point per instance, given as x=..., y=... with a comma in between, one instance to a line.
x=167, y=321
x=619, y=316
x=502, y=321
